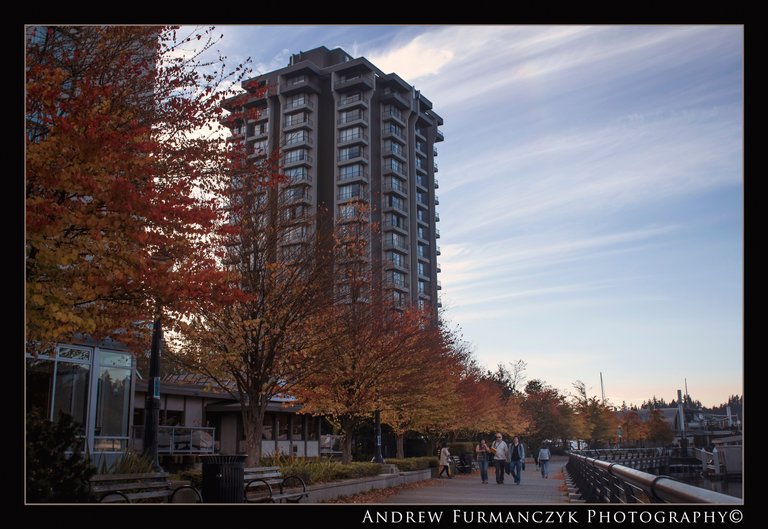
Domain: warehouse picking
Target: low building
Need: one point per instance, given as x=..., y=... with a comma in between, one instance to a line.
x=98, y=385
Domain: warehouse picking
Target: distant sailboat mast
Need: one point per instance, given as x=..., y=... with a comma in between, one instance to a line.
x=602, y=388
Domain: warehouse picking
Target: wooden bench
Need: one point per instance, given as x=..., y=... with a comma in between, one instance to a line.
x=147, y=487
x=268, y=485
x=460, y=465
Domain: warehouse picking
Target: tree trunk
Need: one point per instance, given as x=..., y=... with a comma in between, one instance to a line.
x=253, y=426
x=400, y=446
x=347, y=427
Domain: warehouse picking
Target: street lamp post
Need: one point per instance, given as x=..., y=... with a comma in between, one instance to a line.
x=377, y=417
x=152, y=404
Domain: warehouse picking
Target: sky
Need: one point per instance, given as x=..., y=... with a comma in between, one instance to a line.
x=591, y=192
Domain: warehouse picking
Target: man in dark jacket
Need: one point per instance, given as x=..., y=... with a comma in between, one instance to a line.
x=516, y=458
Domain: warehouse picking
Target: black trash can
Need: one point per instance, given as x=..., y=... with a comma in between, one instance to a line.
x=223, y=479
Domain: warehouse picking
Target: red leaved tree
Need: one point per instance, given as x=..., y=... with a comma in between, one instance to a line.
x=121, y=161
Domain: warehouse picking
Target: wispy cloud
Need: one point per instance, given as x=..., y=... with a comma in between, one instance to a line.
x=590, y=188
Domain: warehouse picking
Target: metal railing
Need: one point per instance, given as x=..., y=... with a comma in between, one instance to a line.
x=601, y=481
x=179, y=439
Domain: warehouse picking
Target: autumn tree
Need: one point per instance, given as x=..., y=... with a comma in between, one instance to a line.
x=633, y=429
x=658, y=430
x=261, y=342
x=373, y=344
x=426, y=399
x=600, y=418
x=118, y=210
x=547, y=412
x=511, y=378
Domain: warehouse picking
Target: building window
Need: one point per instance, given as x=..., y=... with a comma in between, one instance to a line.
x=422, y=214
x=350, y=191
x=260, y=147
x=392, y=219
x=422, y=198
x=113, y=394
x=295, y=212
x=347, y=211
x=296, y=174
x=350, y=77
x=421, y=163
x=396, y=278
x=312, y=428
x=395, y=239
x=297, y=80
x=295, y=233
x=297, y=428
x=354, y=170
x=395, y=258
x=295, y=119
x=267, y=432
x=423, y=232
x=393, y=128
x=350, y=134
x=394, y=183
x=391, y=164
x=395, y=147
x=295, y=193
x=398, y=298
x=421, y=147
x=39, y=385
x=423, y=287
x=351, y=115
x=390, y=110
x=351, y=98
x=296, y=155
x=71, y=397
x=423, y=250
x=296, y=100
x=347, y=153
x=423, y=269
x=396, y=202
x=298, y=136
x=282, y=426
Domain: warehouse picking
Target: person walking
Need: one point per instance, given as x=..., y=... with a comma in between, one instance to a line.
x=544, y=456
x=517, y=459
x=499, y=450
x=445, y=462
x=482, y=453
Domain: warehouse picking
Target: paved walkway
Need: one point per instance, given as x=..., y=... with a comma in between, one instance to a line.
x=467, y=488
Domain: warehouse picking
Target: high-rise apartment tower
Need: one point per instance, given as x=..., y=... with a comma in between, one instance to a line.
x=349, y=134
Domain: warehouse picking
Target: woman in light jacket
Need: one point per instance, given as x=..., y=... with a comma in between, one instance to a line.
x=445, y=461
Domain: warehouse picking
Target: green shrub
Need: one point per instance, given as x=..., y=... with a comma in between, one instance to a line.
x=52, y=477
x=322, y=471
x=414, y=463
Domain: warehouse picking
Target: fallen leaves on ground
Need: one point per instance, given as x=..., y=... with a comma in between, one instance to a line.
x=377, y=495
